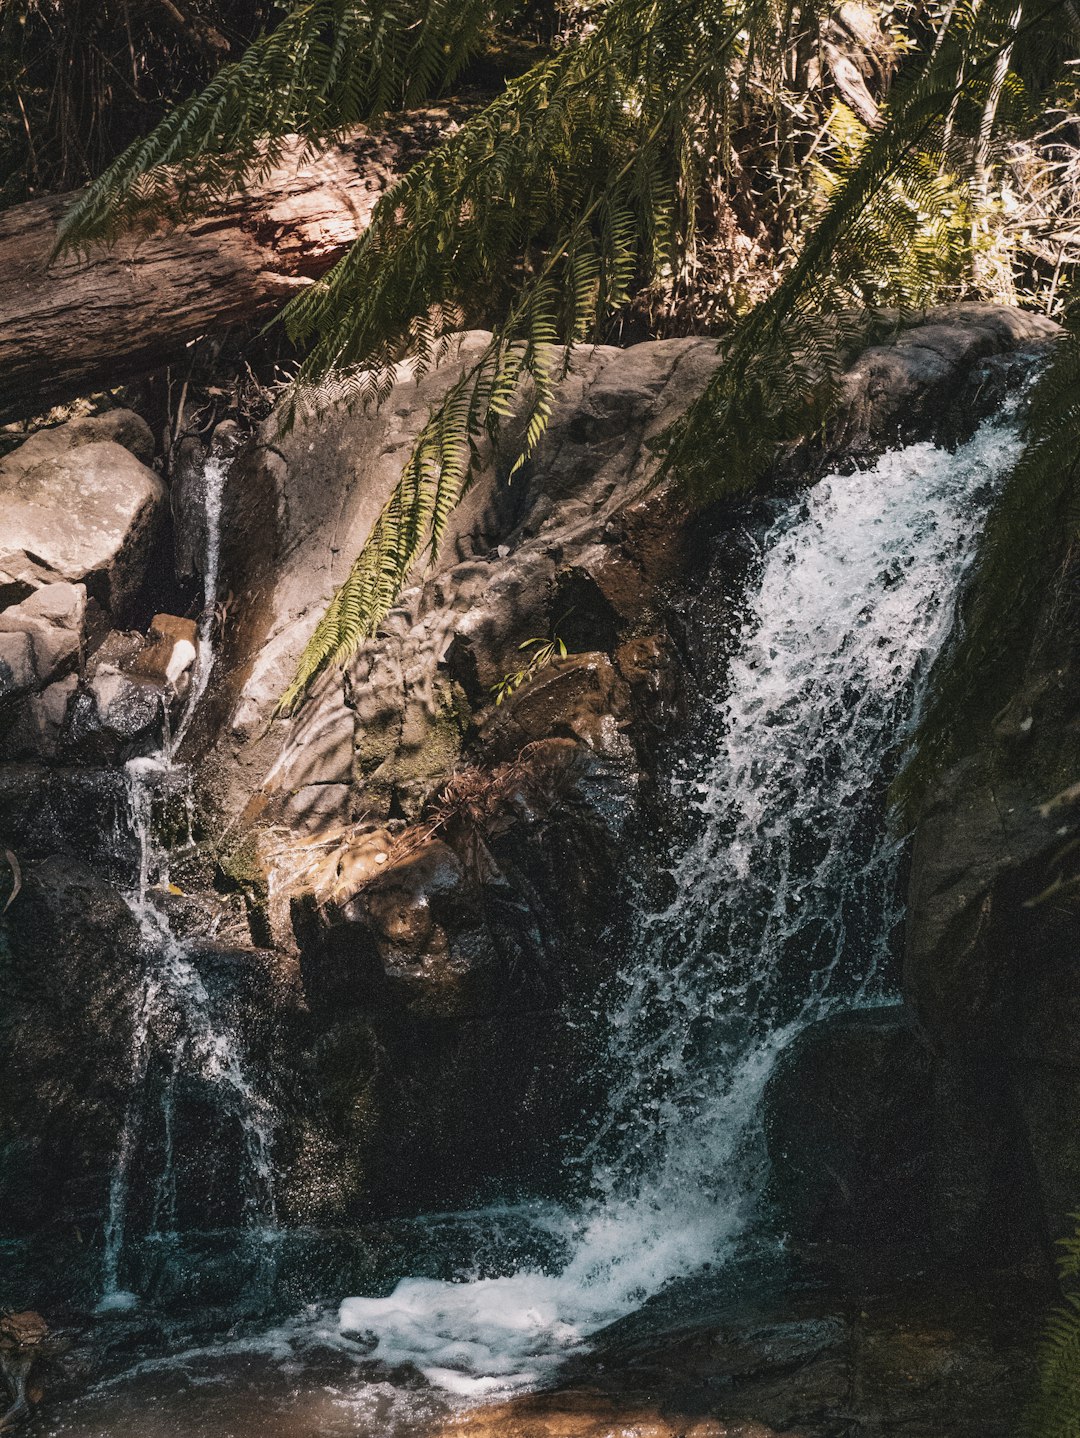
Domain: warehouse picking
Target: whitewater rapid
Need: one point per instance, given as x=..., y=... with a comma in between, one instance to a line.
x=784, y=903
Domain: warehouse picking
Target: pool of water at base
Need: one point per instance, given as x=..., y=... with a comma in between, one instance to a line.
x=302, y=1378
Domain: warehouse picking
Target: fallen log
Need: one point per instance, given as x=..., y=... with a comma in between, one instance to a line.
x=83, y=323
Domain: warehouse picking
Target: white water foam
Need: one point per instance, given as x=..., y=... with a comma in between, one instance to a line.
x=784, y=900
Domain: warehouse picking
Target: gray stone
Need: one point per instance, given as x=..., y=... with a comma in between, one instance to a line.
x=112, y=716
x=17, y=673
x=39, y=723
x=120, y=426
x=53, y=617
x=86, y=512
x=125, y=708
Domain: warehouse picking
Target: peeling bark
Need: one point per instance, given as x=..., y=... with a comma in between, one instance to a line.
x=78, y=324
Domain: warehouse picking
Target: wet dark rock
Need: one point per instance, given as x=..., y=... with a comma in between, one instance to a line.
x=849, y=1134
x=911, y=1358
x=991, y=943
x=68, y=959
x=38, y=723
x=425, y=921
x=186, y=502
x=48, y=809
x=114, y=649
x=113, y=717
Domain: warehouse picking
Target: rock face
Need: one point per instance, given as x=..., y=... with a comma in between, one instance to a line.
x=572, y=541
x=68, y=961
x=479, y=911
x=990, y=958
x=428, y=877
x=849, y=1132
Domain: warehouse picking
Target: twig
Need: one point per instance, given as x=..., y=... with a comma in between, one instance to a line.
x=16, y=874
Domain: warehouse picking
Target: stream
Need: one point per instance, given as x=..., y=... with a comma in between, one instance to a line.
x=778, y=905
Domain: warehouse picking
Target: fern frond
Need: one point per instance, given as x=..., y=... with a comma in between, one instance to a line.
x=783, y=363
x=557, y=156
x=1054, y=1410
x=570, y=161
x=327, y=67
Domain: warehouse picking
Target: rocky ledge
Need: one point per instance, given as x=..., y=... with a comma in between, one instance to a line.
x=911, y=1359
x=406, y=892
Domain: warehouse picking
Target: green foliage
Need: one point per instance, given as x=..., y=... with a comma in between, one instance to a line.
x=587, y=169
x=544, y=651
x=603, y=195
x=1055, y=1409
x=327, y=66
x=783, y=363
x=577, y=187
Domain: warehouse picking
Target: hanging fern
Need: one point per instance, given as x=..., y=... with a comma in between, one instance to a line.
x=560, y=155
x=328, y=66
x=1055, y=1409
x=569, y=192
x=782, y=366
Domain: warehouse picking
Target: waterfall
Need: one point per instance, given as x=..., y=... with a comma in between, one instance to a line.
x=781, y=907
x=176, y=1025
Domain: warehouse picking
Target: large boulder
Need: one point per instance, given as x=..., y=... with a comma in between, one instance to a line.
x=79, y=503
x=439, y=845
x=395, y=722
x=52, y=620
x=579, y=542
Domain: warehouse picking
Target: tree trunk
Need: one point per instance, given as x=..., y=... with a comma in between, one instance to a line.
x=81, y=324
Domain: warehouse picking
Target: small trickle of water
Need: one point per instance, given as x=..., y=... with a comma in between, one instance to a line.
x=785, y=901
x=176, y=1023
x=215, y=474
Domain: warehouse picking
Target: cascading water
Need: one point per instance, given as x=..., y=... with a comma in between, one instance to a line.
x=176, y=1026
x=215, y=473
x=784, y=901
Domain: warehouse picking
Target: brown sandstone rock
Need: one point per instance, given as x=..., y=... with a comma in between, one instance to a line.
x=169, y=653
x=588, y=1414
